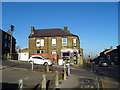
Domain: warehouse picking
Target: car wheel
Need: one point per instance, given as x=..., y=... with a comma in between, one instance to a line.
x=45, y=63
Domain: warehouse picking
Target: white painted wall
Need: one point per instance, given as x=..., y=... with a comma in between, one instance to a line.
x=23, y=56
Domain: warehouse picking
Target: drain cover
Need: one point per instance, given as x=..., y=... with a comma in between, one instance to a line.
x=86, y=80
x=87, y=83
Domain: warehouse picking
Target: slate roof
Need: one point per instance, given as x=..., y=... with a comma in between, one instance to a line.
x=50, y=33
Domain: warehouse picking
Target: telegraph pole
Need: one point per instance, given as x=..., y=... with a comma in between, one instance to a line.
x=12, y=29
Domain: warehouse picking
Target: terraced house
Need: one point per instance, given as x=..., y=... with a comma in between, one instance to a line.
x=5, y=45
x=56, y=41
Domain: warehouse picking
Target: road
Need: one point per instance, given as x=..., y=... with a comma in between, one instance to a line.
x=110, y=76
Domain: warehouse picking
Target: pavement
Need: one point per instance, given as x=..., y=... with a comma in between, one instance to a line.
x=80, y=78
x=11, y=77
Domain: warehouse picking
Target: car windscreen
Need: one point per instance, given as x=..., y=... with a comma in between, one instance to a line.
x=36, y=57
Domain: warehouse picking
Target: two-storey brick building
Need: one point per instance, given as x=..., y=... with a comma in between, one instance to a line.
x=56, y=41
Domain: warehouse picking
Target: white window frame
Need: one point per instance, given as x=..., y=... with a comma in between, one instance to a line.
x=64, y=41
x=53, y=42
x=53, y=51
x=40, y=42
x=74, y=42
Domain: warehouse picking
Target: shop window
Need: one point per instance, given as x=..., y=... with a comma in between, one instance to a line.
x=40, y=51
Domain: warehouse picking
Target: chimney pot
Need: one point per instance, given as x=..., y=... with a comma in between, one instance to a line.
x=65, y=28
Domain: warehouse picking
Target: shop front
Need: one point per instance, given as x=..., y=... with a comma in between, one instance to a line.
x=70, y=55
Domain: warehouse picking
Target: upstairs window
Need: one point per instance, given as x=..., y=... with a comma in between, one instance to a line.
x=74, y=42
x=39, y=42
x=5, y=36
x=53, y=42
x=64, y=41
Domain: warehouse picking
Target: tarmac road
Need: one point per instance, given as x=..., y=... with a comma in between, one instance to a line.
x=110, y=76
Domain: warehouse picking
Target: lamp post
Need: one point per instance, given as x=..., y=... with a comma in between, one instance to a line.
x=12, y=29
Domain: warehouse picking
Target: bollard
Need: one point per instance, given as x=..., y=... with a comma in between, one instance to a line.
x=68, y=69
x=44, y=82
x=47, y=67
x=56, y=79
x=64, y=65
x=32, y=65
x=65, y=76
x=20, y=84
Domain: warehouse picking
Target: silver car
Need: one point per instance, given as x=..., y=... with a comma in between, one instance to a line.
x=103, y=63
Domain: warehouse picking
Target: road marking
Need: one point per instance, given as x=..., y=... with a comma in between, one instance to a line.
x=26, y=78
x=104, y=83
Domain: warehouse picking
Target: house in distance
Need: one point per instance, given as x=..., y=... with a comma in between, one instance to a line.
x=56, y=41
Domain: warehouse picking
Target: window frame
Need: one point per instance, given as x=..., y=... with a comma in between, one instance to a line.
x=53, y=41
x=40, y=51
x=74, y=42
x=54, y=52
x=64, y=43
x=40, y=43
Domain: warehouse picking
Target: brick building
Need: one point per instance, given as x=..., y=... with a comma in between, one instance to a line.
x=5, y=38
x=56, y=41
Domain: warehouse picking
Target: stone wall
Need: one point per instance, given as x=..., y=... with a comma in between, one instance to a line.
x=48, y=45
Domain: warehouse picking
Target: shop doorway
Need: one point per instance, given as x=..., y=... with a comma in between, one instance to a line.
x=66, y=56
x=75, y=58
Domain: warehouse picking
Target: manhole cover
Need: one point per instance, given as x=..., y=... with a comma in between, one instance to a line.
x=86, y=80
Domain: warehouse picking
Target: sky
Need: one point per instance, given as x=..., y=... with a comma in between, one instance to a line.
x=96, y=23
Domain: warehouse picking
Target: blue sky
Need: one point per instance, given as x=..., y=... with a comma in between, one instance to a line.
x=96, y=23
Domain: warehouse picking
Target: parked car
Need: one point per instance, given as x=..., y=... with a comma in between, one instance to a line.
x=40, y=60
x=104, y=63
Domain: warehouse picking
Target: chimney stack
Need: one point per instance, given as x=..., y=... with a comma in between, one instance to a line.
x=66, y=29
x=32, y=30
x=111, y=47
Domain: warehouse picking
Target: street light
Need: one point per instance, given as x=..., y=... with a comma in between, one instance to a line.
x=12, y=29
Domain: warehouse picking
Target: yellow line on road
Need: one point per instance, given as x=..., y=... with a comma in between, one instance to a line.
x=104, y=83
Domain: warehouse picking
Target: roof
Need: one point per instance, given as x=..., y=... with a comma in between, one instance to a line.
x=50, y=33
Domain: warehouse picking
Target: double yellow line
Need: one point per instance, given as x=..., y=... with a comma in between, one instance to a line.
x=105, y=83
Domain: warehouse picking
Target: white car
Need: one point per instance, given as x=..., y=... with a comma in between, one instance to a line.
x=40, y=60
